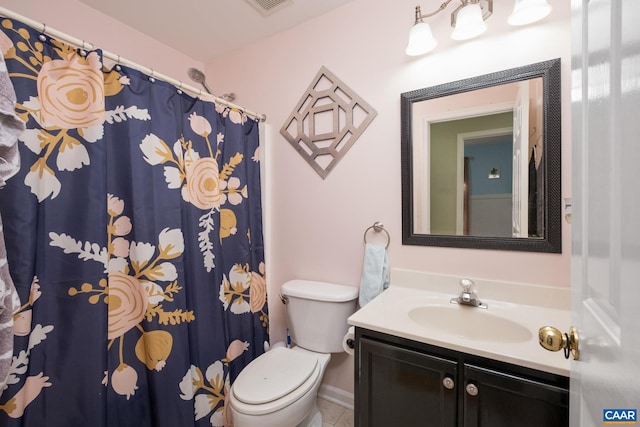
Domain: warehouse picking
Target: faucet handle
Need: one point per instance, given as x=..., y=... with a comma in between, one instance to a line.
x=466, y=284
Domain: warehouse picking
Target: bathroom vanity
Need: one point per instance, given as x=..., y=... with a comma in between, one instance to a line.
x=422, y=361
x=408, y=383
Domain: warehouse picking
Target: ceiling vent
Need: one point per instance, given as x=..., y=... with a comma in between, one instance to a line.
x=267, y=7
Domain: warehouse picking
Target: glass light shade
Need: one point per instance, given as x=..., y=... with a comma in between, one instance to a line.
x=528, y=11
x=421, y=40
x=469, y=23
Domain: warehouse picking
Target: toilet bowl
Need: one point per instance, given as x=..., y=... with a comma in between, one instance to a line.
x=280, y=387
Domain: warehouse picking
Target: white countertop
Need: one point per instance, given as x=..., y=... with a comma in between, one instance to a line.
x=389, y=313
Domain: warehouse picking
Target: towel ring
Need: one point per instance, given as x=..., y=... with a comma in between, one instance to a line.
x=378, y=227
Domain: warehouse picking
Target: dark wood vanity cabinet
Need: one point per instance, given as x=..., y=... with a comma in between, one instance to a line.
x=404, y=383
x=507, y=399
x=402, y=387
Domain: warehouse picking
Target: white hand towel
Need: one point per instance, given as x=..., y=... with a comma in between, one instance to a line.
x=375, y=273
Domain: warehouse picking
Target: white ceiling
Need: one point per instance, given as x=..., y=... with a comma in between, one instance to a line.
x=206, y=29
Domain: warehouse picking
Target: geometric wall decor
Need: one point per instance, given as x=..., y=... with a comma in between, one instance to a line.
x=326, y=122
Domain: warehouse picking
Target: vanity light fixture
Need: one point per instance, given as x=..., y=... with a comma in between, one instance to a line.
x=528, y=11
x=468, y=21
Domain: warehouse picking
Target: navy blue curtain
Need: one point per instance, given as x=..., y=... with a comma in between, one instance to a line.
x=134, y=239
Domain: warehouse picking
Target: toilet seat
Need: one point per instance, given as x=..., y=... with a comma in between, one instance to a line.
x=274, y=380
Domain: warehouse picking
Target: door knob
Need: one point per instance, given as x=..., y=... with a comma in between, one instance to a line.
x=553, y=340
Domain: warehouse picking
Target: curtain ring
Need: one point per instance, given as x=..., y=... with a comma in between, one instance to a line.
x=152, y=79
x=118, y=67
x=83, y=52
x=180, y=88
x=42, y=35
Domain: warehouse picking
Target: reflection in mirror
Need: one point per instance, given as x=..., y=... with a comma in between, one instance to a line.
x=478, y=155
x=470, y=187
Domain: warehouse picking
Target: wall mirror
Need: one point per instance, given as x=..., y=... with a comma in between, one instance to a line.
x=481, y=161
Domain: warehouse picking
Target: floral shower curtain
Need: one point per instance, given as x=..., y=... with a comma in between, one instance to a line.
x=134, y=239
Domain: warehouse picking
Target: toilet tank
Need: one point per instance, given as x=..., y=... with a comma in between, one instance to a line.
x=317, y=313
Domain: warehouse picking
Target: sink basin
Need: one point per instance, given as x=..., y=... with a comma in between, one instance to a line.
x=470, y=323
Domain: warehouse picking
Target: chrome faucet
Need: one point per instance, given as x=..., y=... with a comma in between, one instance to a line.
x=468, y=295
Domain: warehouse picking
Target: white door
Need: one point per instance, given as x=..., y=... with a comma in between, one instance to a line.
x=520, y=181
x=606, y=208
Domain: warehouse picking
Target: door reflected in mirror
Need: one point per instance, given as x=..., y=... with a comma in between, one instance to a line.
x=481, y=161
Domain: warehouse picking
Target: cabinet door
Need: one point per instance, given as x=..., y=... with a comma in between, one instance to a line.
x=503, y=400
x=397, y=386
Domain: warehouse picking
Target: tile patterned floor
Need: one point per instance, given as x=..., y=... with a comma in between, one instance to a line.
x=334, y=415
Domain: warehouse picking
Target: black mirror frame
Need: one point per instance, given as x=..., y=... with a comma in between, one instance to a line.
x=551, y=242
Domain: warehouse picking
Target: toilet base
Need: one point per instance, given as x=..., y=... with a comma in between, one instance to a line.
x=314, y=419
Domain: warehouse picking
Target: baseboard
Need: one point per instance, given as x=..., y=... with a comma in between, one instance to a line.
x=336, y=395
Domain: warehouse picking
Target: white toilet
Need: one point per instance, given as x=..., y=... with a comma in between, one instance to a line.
x=279, y=388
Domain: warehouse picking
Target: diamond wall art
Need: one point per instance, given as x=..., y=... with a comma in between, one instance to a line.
x=326, y=122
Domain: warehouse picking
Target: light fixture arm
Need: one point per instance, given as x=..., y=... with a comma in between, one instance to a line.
x=486, y=12
x=420, y=15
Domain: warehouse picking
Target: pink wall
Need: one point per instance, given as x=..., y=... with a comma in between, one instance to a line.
x=85, y=23
x=317, y=225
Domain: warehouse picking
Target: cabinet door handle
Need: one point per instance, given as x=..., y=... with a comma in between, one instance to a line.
x=448, y=383
x=472, y=389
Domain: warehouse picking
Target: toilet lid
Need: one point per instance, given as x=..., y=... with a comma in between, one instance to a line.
x=273, y=375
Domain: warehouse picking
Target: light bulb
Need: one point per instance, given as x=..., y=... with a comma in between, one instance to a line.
x=528, y=11
x=421, y=40
x=469, y=23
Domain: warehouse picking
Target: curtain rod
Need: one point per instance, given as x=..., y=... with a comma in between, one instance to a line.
x=43, y=28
